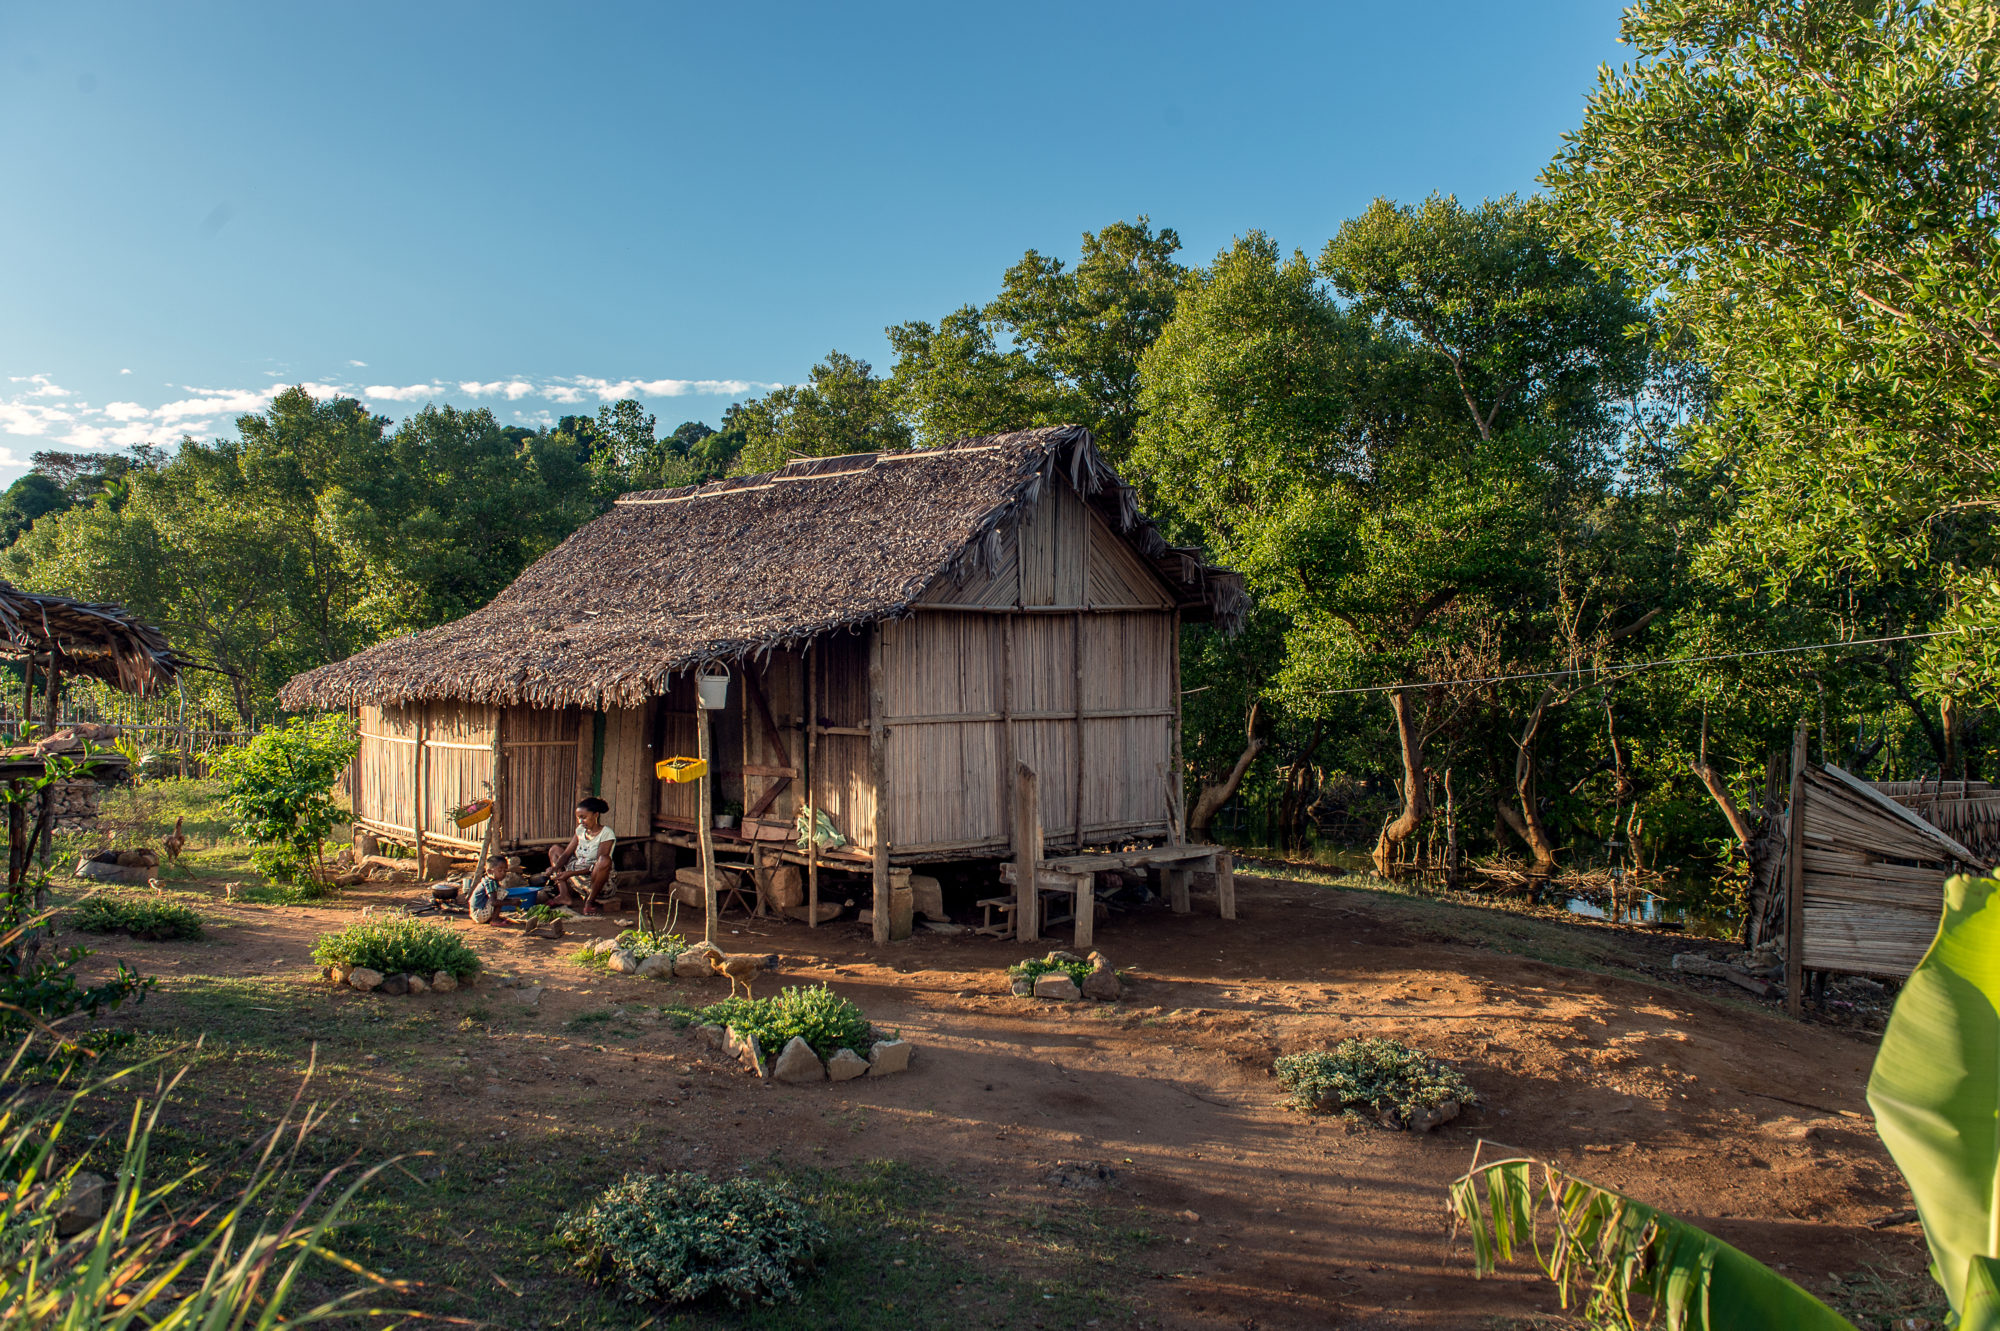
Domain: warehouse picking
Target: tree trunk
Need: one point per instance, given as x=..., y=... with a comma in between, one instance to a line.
x=1416, y=794
x=1212, y=798
x=1532, y=829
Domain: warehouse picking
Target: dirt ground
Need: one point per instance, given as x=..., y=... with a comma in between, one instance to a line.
x=1161, y=1108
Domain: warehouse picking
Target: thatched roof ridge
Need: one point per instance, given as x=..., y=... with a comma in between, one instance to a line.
x=103, y=641
x=670, y=579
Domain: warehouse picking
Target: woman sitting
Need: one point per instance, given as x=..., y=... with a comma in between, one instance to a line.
x=580, y=868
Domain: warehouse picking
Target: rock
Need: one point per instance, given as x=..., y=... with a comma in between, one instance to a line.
x=444, y=982
x=845, y=1065
x=827, y=910
x=889, y=1057
x=1058, y=986
x=787, y=888
x=1102, y=983
x=1431, y=1118
x=715, y=1035
x=1068, y=958
x=694, y=962
x=1696, y=963
x=109, y=873
x=798, y=1063
x=529, y=996
x=744, y=1047
x=927, y=896
x=604, y=945
x=394, y=985
x=82, y=1205
x=364, y=979
x=659, y=966
x=1022, y=986
x=624, y=962
x=419, y=985
x=944, y=927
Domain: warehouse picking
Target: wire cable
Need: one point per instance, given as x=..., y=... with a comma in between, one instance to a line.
x=1637, y=666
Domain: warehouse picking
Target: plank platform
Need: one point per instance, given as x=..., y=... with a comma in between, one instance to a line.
x=1075, y=877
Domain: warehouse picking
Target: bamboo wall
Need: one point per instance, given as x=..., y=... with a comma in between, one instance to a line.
x=1872, y=885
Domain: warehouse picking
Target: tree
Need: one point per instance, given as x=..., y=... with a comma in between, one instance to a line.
x=1388, y=472
x=279, y=786
x=841, y=408
x=1058, y=345
x=28, y=498
x=1809, y=187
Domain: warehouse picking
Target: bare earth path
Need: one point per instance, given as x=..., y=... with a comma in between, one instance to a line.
x=1709, y=1107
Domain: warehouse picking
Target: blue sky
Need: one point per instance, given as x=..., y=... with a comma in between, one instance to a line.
x=539, y=207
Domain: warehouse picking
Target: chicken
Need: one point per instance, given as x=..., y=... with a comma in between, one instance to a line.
x=742, y=968
x=175, y=841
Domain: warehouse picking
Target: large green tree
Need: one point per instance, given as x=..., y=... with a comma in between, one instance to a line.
x=841, y=408
x=1810, y=189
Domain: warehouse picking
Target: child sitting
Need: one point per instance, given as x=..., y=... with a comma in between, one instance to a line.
x=502, y=888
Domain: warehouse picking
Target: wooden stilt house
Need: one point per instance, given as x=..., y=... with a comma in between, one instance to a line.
x=905, y=632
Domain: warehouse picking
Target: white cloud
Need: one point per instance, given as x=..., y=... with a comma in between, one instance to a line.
x=359, y=364
x=511, y=389
x=42, y=386
x=124, y=372
x=214, y=401
x=574, y=388
x=126, y=411
x=409, y=393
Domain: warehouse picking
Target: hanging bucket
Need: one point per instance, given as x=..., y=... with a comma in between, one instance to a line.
x=713, y=689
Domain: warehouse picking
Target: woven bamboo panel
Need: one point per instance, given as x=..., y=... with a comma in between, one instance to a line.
x=1118, y=576
x=1053, y=546
x=543, y=777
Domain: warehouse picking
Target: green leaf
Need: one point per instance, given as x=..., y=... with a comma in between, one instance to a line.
x=1935, y=1092
x=1605, y=1248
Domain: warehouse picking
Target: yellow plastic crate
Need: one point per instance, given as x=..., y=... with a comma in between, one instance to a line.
x=680, y=771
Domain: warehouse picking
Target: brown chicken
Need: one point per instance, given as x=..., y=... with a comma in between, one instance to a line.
x=175, y=841
x=742, y=968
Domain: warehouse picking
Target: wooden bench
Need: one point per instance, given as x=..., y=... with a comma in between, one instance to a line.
x=1073, y=879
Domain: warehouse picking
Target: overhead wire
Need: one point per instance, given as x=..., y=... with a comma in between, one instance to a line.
x=1636, y=666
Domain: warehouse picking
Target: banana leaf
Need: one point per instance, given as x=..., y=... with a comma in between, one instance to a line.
x=1935, y=1092
x=1604, y=1248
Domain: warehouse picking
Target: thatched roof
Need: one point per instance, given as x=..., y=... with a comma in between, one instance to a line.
x=672, y=578
x=103, y=641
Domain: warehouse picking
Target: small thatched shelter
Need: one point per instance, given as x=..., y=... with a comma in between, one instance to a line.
x=903, y=630
x=73, y=637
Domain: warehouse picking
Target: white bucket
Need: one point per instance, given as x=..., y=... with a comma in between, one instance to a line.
x=713, y=690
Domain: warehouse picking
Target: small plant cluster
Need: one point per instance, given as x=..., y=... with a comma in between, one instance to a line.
x=139, y=918
x=643, y=943
x=398, y=945
x=681, y=1237
x=824, y=1019
x=1035, y=967
x=1385, y=1077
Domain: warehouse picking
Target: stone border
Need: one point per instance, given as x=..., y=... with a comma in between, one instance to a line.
x=367, y=980
x=1102, y=984
x=797, y=1064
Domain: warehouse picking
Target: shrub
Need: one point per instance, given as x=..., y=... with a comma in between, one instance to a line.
x=1380, y=1075
x=682, y=1237
x=1035, y=967
x=396, y=945
x=140, y=918
x=279, y=788
x=643, y=943
x=825, y=1019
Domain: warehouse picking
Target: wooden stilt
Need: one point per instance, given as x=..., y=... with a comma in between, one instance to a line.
x=1027, y=854
x=878, y=771
x=812, y=788
x=417, y=774
x=1225, y=884
x=705, y=828
x=1086, y=910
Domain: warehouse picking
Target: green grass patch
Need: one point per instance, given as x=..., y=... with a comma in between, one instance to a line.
x=824, y=1019
x=1380, y=1077
x=398, y=945
x=141, y=917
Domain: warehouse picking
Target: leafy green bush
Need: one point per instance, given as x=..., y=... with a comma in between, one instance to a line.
x=279, y=787
x=643, y=943
x=826, y=1020
x=1035, y=967
x=1382, y=1076
x=397, y=945
x=140, y=918
x=682, y=1237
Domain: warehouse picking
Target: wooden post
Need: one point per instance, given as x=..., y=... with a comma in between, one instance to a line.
x=705, y=823
x=1005, y=776
x=878, y=772
x=1177, y=778
x=489, y=843
x=1795, y=881
x=1027, y=854
x=812, y=789
x=1225, y=884
x=51, y=708
x=417, y=782
x=1086, y=909
x=1177, y=877
x=1076, y=685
